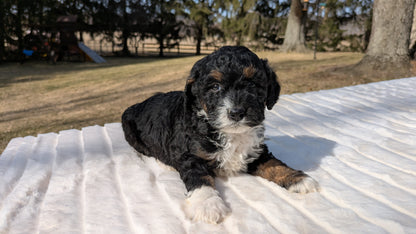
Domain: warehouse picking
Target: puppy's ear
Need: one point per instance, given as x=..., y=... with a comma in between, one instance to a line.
x=188, y=87
x=195, y=71
x=189, y=96
x=273, y=87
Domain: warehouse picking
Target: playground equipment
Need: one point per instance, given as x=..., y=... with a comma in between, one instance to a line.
x=61, y=44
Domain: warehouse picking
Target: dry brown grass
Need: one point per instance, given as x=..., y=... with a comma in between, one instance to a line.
x=39, y=98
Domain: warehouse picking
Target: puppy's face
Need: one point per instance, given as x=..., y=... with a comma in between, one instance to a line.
x=231, y=88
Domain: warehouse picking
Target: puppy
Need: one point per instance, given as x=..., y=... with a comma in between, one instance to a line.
x=214, y=128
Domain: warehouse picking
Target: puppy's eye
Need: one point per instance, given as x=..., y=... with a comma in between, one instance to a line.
x=216, y=87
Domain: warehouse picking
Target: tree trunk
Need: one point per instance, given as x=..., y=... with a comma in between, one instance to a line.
x=2, y=30
x=40, y=13
x=295, y=29
x=81, y=37
x=199, y=40
x=388, y=48
x=413, y=32
x=198, y=46
x=125, y=36
x=160, y=40
x=126, y=29
x=19, y=30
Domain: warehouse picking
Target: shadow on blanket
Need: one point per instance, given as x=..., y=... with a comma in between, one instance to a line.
x=301, y=152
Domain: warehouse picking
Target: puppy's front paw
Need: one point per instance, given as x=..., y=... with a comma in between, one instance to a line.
x=204, y=204
x=304, y=185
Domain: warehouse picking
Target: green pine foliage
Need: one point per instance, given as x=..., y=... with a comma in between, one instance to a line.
x=258, y=24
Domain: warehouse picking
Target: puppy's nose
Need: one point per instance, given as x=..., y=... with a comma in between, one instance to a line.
x=236, y=114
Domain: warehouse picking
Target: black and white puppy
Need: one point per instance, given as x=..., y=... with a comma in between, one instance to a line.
x=214, y=128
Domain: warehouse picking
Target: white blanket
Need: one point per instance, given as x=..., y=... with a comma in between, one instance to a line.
x=359, y=142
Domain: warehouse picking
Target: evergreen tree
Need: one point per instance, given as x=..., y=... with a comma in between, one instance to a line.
x=271, y=24
x=163, y=23
x=201, y=15
x=3, y=33
x=352, y=12
x=239, y=19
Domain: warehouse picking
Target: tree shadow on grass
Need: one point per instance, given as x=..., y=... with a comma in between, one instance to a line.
x=11, y=73
x=342, y=76
x=365, y=73
x=298, y=63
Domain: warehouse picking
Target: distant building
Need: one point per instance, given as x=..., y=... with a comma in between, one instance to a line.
x=353, y=27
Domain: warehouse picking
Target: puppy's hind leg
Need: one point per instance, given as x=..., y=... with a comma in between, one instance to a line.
x=203, y=202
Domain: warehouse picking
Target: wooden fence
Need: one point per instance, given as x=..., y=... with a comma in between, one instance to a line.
x=148, y=48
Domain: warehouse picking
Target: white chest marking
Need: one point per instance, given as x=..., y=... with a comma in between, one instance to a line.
x=239, y=149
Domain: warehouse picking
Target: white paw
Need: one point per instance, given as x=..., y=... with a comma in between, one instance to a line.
x=306, y=185
x=204, y=204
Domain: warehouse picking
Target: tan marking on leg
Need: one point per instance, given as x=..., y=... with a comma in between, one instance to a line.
x=202, y=154
x=276, y=171
x=210, y=180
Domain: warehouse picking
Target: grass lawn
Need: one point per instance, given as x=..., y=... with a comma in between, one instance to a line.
x=38, y=98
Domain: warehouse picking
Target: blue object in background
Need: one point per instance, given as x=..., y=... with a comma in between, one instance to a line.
x=28, y=52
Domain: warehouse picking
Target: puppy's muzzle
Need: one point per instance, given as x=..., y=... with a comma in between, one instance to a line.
x=236, y=114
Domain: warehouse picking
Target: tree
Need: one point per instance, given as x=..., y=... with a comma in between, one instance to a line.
x=340, y=18
x=19, y=31
x=163, y=23
x=125, y=26
x=109, y=17
x=295, y=30
x=239, y=19
x=105, y=20
x=388, y=48
x=201, y=15
x=131, y=21
x=2, y=29
x=271, y=25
